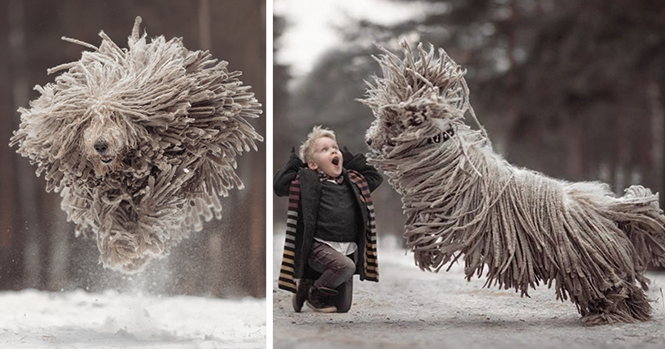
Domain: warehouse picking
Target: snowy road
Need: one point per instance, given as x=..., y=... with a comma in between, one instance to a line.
x=412, y=309
x=36, y=319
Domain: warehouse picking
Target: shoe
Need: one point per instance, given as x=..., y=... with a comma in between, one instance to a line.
x=320, y=299
x=300, y=296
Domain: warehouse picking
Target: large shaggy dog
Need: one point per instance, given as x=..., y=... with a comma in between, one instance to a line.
x=519, y=226
x=140, y=142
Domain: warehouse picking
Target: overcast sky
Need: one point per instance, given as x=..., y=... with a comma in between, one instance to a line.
x=311, y=25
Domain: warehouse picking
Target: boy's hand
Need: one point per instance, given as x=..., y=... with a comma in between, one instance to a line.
x=347, y=155
x=294, y=163
x=359, y=164
x=282, y=180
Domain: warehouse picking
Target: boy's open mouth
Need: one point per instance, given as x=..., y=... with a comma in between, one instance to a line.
x=335, y=161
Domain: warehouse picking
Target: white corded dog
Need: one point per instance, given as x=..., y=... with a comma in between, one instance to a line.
x=519, y=226
x=141, y=142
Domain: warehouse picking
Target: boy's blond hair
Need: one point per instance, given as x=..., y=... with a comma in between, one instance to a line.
x=306, y=148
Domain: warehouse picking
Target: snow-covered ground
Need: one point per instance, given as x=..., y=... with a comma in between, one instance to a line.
x=412, y=309
x=78, y=319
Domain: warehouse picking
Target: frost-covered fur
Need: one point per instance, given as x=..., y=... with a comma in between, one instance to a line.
x=140, y=142
x=518, y=226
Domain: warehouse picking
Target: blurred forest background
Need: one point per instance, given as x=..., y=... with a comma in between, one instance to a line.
x=38, y=248
x=574, y=89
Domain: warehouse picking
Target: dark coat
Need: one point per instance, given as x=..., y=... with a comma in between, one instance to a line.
x=310, y=194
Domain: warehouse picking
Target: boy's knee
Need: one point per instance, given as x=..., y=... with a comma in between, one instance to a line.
x=348, y=267
x=345, y=298
x=344, y=308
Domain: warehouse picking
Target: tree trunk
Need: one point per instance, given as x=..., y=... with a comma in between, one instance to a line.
x=204, y=25
x=656, y=101
x=28, y=188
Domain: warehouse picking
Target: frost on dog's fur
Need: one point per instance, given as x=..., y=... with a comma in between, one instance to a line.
x=140, y=142
x=518, y=227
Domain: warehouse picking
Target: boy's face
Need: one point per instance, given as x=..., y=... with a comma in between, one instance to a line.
x=326, y=157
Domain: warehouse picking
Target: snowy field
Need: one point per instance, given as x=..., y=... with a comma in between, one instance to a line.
x=412, y=309
x=36, y=319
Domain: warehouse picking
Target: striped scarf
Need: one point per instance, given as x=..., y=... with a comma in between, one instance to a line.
x=370, y=266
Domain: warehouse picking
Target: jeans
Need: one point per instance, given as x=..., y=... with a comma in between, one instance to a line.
x=336, y=272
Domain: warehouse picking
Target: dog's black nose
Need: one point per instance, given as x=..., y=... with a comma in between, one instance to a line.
x=368, y=141
x=101, y=147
